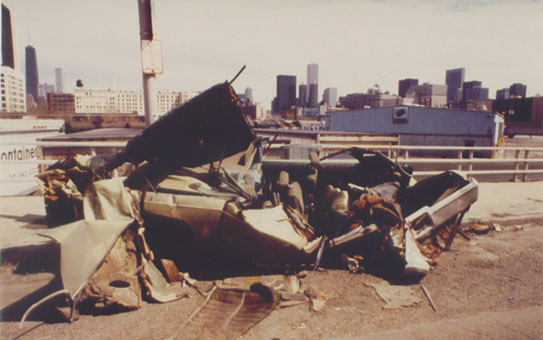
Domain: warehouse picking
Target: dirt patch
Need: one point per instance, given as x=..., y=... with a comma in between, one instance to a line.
x=489, y=287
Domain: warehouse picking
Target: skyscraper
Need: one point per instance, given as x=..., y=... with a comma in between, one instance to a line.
x=405, y=84
x=249, y=94
x=313, y=85
x=330, y=96
x=11, y=80
x=313, y=100
x=31, y=73
x=454, y=79
x=474, y=90
x=58, y=79
x=502, y=94
x=8, y=56
x=517, y=90
x=303, y=94
x=312, y=74
x=286, y=93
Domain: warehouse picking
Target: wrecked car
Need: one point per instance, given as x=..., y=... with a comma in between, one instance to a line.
x=200, y=197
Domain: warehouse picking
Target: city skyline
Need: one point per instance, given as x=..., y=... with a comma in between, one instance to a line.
x=356, y=44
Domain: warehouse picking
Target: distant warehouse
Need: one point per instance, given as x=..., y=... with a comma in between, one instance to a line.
x=424, y=126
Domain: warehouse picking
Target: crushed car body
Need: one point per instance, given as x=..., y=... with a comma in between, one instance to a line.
x=200, y=195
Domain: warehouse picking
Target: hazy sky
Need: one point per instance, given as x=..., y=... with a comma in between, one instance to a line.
x=357, y=43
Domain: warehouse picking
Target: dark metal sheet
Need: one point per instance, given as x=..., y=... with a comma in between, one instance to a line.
x=203, y=130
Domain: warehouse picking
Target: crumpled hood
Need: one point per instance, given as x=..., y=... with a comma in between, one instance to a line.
x=201, y=131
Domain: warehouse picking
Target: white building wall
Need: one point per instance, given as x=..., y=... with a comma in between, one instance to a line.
x=115, y=101
x=168, y=101
x=95, y=101
x=130, y=102
x=12, y=90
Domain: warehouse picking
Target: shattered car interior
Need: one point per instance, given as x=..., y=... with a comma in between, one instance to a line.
x=193, y=196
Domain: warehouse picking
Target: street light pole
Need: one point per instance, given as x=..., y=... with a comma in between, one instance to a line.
x=147, y=32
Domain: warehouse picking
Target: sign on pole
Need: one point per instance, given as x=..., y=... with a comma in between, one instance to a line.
x=151, y=56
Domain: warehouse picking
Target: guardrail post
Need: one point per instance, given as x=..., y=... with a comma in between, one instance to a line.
x=459, y=166
x=470, y=164
x=517, y=165
x=406, y=154
x=526, y=163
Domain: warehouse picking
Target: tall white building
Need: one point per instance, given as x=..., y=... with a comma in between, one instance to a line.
x=12, y=89
x=58, y=79
x=249, y=94
x=330, y=96
x=312, y=74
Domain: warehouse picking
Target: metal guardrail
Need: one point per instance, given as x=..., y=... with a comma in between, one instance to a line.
x=400, y=153
x=421, y=173
x=523, y=165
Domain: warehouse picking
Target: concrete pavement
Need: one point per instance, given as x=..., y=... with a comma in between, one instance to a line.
x=20, y=218
x=508, y=203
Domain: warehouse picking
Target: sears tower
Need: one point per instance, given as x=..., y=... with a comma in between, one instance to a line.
x=31, y=72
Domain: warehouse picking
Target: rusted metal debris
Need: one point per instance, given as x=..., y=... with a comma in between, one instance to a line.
x=227, y=313
x=199, y=200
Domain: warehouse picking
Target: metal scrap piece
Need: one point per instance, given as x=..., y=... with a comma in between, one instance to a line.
x=156, y=286
x=115, y=283
x=228, y=313
x=395, y=296
x=209, y=127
